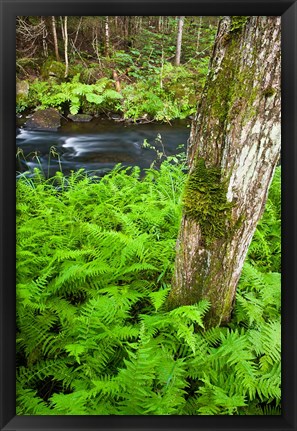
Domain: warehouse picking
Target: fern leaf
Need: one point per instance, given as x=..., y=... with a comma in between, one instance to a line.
x=94, y=98
x=158, y=298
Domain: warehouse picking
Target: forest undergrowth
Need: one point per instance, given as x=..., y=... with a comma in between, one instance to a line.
x=133, y=75
x=94, y=265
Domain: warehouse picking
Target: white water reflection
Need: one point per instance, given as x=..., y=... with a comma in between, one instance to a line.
x=97, y=147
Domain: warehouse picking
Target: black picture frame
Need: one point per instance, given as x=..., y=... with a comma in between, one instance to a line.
x=9, y=9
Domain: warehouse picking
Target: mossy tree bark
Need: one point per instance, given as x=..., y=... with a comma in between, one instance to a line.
x=233, y=150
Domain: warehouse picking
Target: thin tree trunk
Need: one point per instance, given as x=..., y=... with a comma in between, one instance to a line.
x=179, y=39
x=44, y=37
x=126, y=28
x=55, y=38
x=233, y=151
x=66, y=47
x=107, y=36
x=198, y=34
x=77, y=31
x=62, y=27
x=95, y=43
x=160, y=24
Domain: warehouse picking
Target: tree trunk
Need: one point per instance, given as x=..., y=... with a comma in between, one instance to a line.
x=62, y=27
x=55, y=38
x=77, y=31
x=106, y=24
x=233, y=150
x=198, y=34
x=126, y=28
x=66, y=47
x=44, y=38
x=160, y=24
x=179, y=40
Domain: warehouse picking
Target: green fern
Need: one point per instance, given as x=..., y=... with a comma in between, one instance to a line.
x=94, y=265
x=76, y=94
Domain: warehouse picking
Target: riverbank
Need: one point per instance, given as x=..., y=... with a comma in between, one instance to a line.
x=139, y=101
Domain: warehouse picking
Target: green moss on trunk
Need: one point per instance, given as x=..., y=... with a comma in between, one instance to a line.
x=205, y=201
x=231, y=91
x=229, y=140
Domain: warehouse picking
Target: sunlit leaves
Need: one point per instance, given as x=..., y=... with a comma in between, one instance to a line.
x=94, y=264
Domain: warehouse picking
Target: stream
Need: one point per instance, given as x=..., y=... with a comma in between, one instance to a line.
x=97, y=146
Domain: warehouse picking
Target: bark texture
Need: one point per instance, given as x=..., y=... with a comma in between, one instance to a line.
x=107, y=36
x=54, y=29
x=179, y=39
x=66, y=47
x=233, y=150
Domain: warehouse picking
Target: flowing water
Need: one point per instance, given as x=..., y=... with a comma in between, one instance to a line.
x=98, y=146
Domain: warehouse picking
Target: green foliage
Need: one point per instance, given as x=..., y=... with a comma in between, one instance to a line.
x=237, y=23
x=142, y=52
x=94, y=264
x=175, y=100
x=140, y=100
x=266, y=247
x=21, y=105
x=166, y=94
x=75, y=95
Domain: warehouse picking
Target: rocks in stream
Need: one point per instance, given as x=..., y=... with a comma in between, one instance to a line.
x=80, y=118
x=44, y=120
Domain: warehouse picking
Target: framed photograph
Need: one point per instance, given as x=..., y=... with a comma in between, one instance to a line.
x=148, y=213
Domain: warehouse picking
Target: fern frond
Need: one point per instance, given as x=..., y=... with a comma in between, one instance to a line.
x=69, y=404
x=28, y=403
x=192, y=313
x=158, y=298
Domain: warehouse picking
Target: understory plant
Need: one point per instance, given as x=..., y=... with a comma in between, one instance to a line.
x=94, y=265
x=166, y=94
x=74, y=96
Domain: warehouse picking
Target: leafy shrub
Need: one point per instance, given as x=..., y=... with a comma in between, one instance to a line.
x=75, y=94
x=160, y=104
x=140, y=100
x=94, y=264
x=266, y=247
x=161, y=91
x=21, y=105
